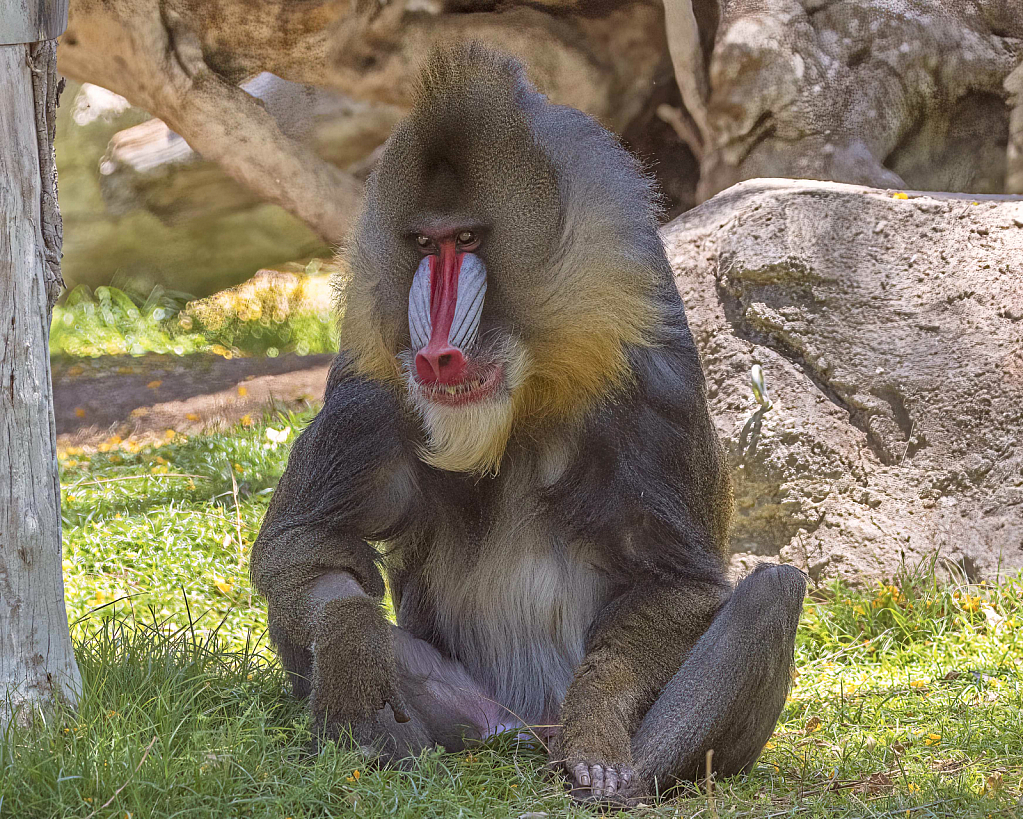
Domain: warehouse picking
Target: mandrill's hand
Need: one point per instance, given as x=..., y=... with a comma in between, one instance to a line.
x=355, y=678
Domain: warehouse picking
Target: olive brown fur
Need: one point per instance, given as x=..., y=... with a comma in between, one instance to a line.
x=556, y=549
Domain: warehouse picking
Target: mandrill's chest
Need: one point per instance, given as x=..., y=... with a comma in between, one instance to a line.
x=511, y=601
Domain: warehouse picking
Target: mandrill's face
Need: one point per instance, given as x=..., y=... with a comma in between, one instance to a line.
x=492, y=294
x=461, y=382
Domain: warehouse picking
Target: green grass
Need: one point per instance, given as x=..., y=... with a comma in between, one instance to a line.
x=907, y=704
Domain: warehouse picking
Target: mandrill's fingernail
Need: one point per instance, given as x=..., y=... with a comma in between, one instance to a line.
x=400, y=716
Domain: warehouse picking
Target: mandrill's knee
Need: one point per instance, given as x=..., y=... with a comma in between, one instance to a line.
x=769, y=600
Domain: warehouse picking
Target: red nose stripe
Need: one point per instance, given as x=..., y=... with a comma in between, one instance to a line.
x=443, y=295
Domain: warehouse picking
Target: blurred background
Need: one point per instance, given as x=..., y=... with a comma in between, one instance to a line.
x=219, y=148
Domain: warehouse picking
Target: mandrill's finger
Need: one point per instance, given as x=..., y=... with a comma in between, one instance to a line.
x=610, y=782
x=597, y=779
x=581, y=775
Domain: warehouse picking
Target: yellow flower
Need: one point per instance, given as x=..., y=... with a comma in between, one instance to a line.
x=79, y=412
x=154, y=385
x=192, y=416
x=913, y=787
x=900, y=196
x=858, y=609
x=242, y=390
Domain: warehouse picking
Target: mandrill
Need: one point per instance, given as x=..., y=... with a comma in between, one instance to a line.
x=515, y=433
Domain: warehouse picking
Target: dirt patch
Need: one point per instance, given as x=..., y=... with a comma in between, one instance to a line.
x=141, y=398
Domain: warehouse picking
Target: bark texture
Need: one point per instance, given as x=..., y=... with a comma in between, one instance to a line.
x=871, y=92
x=891, y=335
x=37, y=662
x=150, y=167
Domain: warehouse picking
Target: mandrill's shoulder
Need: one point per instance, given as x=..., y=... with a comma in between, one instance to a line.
x=649, y=486
x=360, y=414
x=344, y=461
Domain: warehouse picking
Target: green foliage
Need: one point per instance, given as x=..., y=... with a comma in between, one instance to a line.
x=912, y=612
x=109, y=322
x=261, y=318
x=908, y=701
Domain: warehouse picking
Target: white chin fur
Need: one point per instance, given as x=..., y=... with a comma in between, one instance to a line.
x=469, y=437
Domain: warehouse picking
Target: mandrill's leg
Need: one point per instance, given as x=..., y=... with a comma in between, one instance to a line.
x=439, y=693
x=674, y=671
x=730, y=690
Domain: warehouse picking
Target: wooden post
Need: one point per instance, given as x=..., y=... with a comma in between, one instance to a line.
x=1014, y=158
x=37, y=663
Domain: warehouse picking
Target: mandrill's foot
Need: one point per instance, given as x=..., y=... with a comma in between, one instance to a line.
x=602, y=783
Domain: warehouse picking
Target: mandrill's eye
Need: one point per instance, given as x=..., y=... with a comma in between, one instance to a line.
x=467, y=238
x=424, y=242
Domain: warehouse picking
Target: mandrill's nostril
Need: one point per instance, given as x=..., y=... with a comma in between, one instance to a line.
x=443, y=365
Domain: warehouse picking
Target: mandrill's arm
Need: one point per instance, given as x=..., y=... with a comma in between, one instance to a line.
x=312, y=562
x=678, y=664
x=348, y=480
x=635, y=647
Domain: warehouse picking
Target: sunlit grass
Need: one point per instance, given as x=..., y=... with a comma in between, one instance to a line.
x=272, y=314
x=907, y=704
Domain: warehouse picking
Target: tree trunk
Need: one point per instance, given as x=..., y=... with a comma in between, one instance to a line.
x=37, y=663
